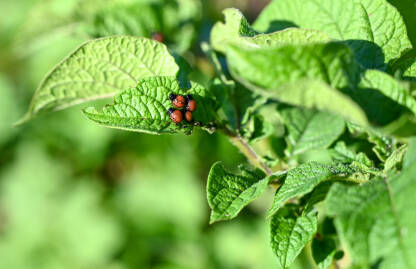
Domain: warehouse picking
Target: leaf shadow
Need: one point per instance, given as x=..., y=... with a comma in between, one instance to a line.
x=367, y=53
x=278, y=25
x=379, y=109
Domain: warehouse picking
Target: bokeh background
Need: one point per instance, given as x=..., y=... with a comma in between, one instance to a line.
x=76, y=195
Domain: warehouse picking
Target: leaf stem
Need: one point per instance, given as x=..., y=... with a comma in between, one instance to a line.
x=249, y=152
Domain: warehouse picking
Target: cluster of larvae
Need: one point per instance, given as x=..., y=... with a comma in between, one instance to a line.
x=183, y=108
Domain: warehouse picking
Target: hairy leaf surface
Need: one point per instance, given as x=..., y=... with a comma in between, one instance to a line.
x=309, y=129
x=304, y=178
x=145, y=107
x=229, y=193
x=236, y=30
x=376, y=220
x=290, y=234
x=373, y=28
x=99, y=69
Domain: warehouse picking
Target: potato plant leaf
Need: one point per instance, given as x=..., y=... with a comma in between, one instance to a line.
x=376, y=220
x=341, y=153
x=229, y=193
x=396, y=158
x=372, y=28
x=100, y=69
x=398, y=91
x=236, y=30
x=271, y=67
x=304, y=178
x=308, y=129
x=145, y=107
x=290, y=233
x=305, y=75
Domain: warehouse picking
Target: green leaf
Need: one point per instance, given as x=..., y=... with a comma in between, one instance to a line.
x=258, y=128
x=376, y=220
x=373, y=28
x=237, y=30
x=301, y=75
x=290, y=233
x=318, y=95
x=406, y=65
x=410, y=72
x=398, y=91
x=237, y=103
x=100, y=69
x=383, y=145
x=323, y=251
x=304, y=178
x=395, y=159
x=235, y=26
x=229, y=193
x=136, y=19
x=309, y=129
x=410, y=156
x=269, y=68
x=340, y=153
x=317, y=195
x=145, y=107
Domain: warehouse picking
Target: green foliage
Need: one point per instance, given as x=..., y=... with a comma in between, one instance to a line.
x=308, y=129
x=228, y=193
x=362, y=24
x=100, y=69
x=395, y=159
x=290, y=233
x=237, y=30
x=318, y=95
x=374, y=220
x=145, y=108
x=268, y=68
x=302, y=180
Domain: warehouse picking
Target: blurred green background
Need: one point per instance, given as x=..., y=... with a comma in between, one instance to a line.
x=76, y=195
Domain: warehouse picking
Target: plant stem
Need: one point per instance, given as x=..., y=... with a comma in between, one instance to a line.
x=249, y=152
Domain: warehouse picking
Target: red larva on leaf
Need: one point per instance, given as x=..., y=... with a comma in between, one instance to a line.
x=175, y=115
x=177, y=100
x=158, y=37
x=188, y=116
x=191, y=103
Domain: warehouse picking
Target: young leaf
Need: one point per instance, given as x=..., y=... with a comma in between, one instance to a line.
x=229, y=193
x=145, y=108
x=304, y=178
x=99, y=69
x=376, y=220
x=373, y=28
x=290, y=233
x=258, y=128
x=309, y=129
x=395, y=159
x=340, y=153
x=383, y=145
x=236, y=30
